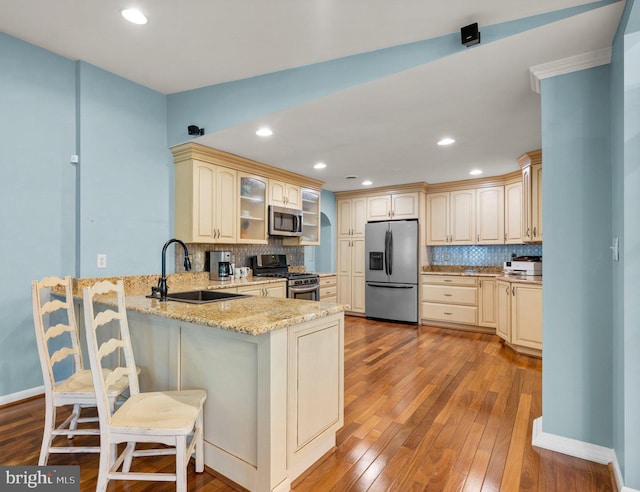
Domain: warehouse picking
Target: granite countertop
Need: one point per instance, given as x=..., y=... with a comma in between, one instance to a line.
x=251, y=315
x=470, y=271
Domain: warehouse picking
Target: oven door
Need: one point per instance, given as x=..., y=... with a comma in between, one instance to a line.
x=307, y=292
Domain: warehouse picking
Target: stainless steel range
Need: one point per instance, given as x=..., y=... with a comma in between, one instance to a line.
x=299, y=285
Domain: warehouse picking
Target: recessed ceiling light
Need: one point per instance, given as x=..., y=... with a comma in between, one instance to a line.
x=264, y=132
x=446, y=141
x=320, y=165
x=367, y=182
x=134, y=16
x=475, y=172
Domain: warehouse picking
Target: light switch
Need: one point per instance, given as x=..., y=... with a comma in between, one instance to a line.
x=101, y=260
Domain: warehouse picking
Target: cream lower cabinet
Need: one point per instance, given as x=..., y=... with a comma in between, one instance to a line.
x=328, y=288
x=449, y=299
x=503, y=310
x=351, y=265
x=526, y=315
x=205, y=203
x=487, y=302
x=278, y=289
x=519, y=316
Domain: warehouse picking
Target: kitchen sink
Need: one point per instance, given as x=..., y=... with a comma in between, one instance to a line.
x=202, y=296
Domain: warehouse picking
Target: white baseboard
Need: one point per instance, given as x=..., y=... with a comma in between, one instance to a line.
x=21, y=395
x=578, y=449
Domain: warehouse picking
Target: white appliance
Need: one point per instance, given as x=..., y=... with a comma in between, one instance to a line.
x=524, y=265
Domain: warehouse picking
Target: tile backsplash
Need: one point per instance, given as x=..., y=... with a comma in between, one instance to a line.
x=490, y=255
x=240, y=253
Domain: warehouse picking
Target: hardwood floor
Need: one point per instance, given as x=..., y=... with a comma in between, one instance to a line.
x=425, y=409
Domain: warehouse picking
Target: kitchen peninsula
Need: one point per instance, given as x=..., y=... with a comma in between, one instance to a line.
x=273, y=369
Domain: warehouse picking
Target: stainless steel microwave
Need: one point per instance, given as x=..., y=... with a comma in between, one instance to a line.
x=285, y=221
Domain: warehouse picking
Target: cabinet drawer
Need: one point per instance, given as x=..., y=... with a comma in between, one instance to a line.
x=327, y=292
x=450, y=294
x=325, y=281
x=449, y=280
x=448, y=313
x=329, y=299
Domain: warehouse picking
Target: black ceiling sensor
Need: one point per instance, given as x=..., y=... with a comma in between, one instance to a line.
x=194, y=130
x=470, y=34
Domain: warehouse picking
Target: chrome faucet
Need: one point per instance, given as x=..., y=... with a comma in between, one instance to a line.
x=162, y=289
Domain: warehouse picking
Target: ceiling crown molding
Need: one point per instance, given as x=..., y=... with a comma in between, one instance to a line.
x=568, y=65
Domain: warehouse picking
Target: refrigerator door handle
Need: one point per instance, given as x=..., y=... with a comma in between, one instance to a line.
x=386, y=252
x=390, y=252
x=387, y=286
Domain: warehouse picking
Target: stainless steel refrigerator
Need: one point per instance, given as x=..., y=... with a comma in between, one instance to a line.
x=391, y=277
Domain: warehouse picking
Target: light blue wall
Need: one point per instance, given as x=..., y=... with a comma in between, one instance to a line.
x=37, y=97
x=55, y=216
x=577, y=295
x=326, y=252
x=126, y=175
x=631, y=251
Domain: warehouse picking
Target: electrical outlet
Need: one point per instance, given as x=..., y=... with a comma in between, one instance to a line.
x=101, y=260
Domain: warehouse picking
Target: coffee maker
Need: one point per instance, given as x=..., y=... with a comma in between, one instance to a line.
x=220, y=265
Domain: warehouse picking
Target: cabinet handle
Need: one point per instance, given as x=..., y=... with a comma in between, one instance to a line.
x=448, y=314
x=505, y=236
x=448, y=280
x=480, y=283
x=534, y=232
x=513, y=290
x=448, y=295
x=477, y=238
x=507, y=289
x=527, y=232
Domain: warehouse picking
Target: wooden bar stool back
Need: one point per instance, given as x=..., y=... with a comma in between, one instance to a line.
x=165, y=417
x=58, y=344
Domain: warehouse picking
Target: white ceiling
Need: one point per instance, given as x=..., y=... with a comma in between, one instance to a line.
x=383, y=130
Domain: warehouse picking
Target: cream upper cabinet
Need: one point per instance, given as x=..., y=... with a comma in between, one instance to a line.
x=310, y=220
x=536, y=202
x=205, y=203
x=487, y=302
x=526, y=315
x=503, y=310
x=437, y=219
x=490, y=215
x=252, y=204
x=284, y=194
x=526, y=204
x=513, y=213
x=352, y=217
x=393, y=207
x=462, y=208
x=451, y=218
x=531, y=164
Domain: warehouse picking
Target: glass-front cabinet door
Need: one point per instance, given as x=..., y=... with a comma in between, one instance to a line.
x=252, y=209
x=310, y=217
